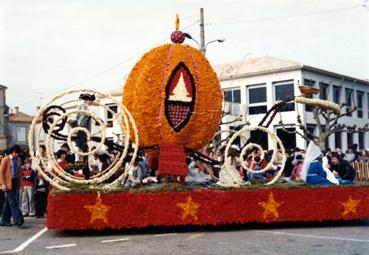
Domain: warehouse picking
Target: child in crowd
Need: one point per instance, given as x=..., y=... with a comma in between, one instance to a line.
x=29, y=175
x=135, y=174
x=61, y=155
x=297, y=169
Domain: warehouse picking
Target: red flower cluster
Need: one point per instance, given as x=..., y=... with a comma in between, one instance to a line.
x=205, y=207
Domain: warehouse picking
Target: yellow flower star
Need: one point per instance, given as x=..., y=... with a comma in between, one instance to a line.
x=350, y=206
x=98, y=210
x=270, y=207
x=189, y=208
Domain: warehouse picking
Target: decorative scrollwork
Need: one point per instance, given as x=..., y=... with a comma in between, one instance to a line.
x=54, y=126
x=277, y=142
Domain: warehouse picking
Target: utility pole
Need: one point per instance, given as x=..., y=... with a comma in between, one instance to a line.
x=202, y=31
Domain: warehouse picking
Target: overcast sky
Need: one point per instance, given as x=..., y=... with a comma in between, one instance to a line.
x=49, y=46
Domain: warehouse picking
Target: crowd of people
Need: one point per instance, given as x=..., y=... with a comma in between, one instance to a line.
x=313, y=167
x=23, y=191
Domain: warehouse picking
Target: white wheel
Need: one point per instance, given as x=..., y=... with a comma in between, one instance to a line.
x=276, y=142
x=56, y=128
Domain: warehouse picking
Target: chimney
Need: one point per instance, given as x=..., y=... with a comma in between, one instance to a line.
x=16, y=109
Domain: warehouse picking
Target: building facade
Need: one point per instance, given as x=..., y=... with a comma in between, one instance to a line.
x=3, y=118
x=254, y=85
x=18, y=127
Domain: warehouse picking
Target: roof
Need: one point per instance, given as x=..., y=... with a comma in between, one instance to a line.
x=20, y=117
x=115, y=92
x=253, y=66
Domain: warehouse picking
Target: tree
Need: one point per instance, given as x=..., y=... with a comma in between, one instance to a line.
x=327, y=122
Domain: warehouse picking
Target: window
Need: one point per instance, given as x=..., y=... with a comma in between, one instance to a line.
x=228, y=95
x=311, y=131
x=324, y=87
x=284, y=90
x=21, y=134
x=232, y=98
x=259, y=137
x=348, y=95
x=350, y=139
x=336, y=94
x=110, y=116
x=236, y=141
x=311, y=83
x=288, y=139
x=361, y=140
x=257, y=99
x=359, y=95
x=338, y=139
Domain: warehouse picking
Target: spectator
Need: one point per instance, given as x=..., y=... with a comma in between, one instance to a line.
x=339, y=152
x=144, y=166
x=134, y=174
x=70, y=157
x=354, y=150
x=195, y=174
x=11, y=180
x=350, y=155
x=29, y=175
x=364, y=156
x=42, y=190
x=60, y=155
x=297, y=169
x=41, y=154
x=2, y=194
x=61, y=158
x=343, y=169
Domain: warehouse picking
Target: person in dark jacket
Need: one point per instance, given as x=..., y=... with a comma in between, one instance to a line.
x=41, y=192
x=343, y=168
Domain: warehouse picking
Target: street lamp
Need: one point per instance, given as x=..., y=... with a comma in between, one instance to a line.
x=203, y=50
x=216, y=40
x=187, y=35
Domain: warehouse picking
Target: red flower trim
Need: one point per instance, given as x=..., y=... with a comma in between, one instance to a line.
x=207, y=207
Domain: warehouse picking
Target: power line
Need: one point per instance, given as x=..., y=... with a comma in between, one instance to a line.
x=105, y=70
x=285, y=17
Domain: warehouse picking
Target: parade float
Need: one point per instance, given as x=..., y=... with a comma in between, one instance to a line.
x=172, y=107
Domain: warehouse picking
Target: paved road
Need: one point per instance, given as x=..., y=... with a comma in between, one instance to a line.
x=319, y=238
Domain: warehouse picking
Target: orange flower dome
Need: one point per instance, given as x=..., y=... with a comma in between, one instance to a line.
x=174, y=96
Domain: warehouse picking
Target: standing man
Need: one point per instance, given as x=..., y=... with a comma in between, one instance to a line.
x=11, y=181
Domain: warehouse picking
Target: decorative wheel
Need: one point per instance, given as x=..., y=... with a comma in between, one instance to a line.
x=57, y=113
x=276, y=142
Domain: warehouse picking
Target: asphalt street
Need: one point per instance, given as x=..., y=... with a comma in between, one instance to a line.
x=292, y=238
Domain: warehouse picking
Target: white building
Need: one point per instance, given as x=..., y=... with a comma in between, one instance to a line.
x=254, y=85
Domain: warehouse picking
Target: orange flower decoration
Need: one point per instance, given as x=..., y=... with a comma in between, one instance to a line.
x=174, y=96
